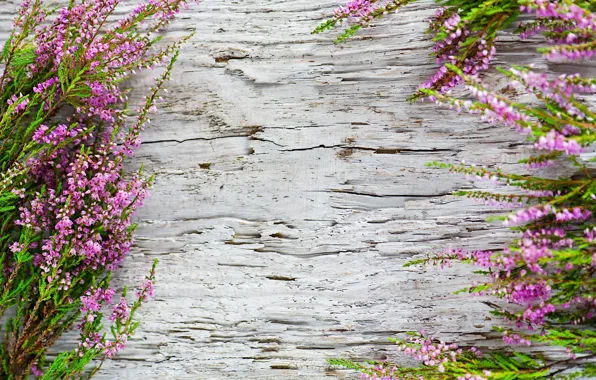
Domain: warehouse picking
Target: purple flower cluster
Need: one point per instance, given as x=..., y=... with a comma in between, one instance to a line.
x=497, y=110
x=559, y=91
x=562, y=10
x=555, y=141
x=120, y=310
x=528, y=293
x=541, y=164
x=19, y=103
x=528, y=215
x=480, y=61
x=534, y=213
x=94, y=298
x=429, y=352
x=96, y=342
x=86, y=204
x=443, y=80
x=565, y=24
x=121, y=315
x=72, y=217
x=514, y=339
x=359, y=9
x=532, y=260
x=455, y=35
x=445, y=258
x=449, y=49
x=544, y=279
x=146, y=290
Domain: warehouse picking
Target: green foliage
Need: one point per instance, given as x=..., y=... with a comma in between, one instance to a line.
x=327, y=25
x=348, y=33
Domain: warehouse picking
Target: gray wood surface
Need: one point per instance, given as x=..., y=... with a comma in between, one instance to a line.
x=291, y=188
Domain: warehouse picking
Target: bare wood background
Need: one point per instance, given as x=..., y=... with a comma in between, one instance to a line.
x=291, y=188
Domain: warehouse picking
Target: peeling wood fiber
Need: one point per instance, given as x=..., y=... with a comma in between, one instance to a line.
x=291, y=188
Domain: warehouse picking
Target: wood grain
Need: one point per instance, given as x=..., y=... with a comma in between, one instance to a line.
x=291, y=188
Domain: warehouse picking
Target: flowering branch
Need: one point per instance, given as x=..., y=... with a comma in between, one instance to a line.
x=66, y=205
x=544, y=280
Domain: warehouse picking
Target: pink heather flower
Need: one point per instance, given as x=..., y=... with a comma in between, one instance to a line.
x=499, y=111
x=35, y=371
x=431, y=353
x=575, y=19
x=522, y=293
x=541, y=164
x=528, y=215
x=16, y=247
x=93, y=299
x=448, y=50
x=12, y=100
x=590, y=234
x=576, y=213
x=145, y=290
x=360, y=9
x=563, y=11
x=44, y=86
x=120, y=311
x=39, y=133
x=536, y=314
x=555, y=141
x=21, y=106
x=112, y=348
x=83, y=214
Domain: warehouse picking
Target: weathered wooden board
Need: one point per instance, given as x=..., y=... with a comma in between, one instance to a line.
x=289, y=248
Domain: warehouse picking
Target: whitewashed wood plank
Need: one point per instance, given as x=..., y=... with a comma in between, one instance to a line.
x=288, y=248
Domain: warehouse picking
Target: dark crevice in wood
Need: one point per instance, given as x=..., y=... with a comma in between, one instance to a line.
x=353, y=192
x=191, y=139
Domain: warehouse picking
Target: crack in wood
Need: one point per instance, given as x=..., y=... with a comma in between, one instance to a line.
x=365, y=194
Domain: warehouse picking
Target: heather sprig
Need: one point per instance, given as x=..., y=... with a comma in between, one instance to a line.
x=360, y=13
x=95, y=343
x=465, y=32
x=546, y=276
x=569, y=25
x=447, y=361
x=559, y=124
x=66, y=205
x=542, y=283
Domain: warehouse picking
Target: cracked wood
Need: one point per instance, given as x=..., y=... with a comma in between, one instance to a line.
x=290, y=189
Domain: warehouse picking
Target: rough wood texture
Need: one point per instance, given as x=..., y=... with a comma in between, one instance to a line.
x=291, y=188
